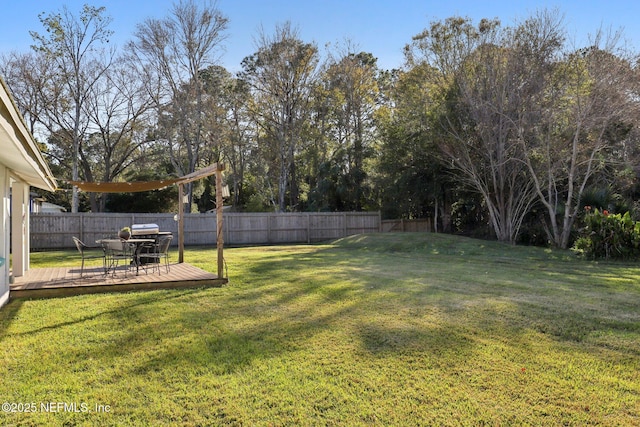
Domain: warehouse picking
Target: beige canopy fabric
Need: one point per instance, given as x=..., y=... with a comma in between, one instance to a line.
x=122, y=187
x=132, y=187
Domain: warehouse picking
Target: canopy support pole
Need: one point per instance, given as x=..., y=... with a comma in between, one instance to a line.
x=219, y=230
x=180, y=223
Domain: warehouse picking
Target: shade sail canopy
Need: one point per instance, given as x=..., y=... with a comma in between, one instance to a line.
x=137, y=186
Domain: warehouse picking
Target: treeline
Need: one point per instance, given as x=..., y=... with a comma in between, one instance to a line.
x=503, y=131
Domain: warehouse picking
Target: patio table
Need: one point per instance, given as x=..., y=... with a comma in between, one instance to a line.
x=137, y=244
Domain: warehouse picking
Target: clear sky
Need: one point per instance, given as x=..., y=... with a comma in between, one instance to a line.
x=381, y=27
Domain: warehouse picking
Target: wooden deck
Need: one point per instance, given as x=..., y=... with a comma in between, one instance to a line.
x=56, y=282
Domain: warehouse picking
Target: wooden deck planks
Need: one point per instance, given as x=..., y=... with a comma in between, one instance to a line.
x=55, y=282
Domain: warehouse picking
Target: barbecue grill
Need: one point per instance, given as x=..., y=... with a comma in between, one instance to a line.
x=145, y=231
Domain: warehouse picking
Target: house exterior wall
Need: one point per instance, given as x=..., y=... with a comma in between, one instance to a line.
x=4, y=231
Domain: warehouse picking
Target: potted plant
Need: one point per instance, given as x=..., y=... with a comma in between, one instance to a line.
x=124, y=233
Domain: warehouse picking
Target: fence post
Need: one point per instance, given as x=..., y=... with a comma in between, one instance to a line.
x=226, y=227
x=81, y=224
x=344, y=224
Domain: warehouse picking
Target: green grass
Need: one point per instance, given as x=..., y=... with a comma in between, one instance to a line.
x=387, y=329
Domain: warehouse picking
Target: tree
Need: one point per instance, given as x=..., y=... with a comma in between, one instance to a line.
x=525, y=122
x=281, y=74
x=482, y=100
x=170, y=54
x=118, y=109
x=500, y=87
x=31, y=78
x=412, y=178
x=352, y=88
x=227, y=118
x=586, y=113
x=74, y=44
x=238, y=129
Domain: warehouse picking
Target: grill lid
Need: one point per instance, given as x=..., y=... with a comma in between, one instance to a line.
x=140, y=229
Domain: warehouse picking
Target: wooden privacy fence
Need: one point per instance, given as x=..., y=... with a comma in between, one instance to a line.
x=54, y=230
x=407, y=225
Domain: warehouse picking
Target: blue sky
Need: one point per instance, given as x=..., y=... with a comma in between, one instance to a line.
x=379, y=27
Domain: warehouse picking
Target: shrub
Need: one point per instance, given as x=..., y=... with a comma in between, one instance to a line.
x=609, y=236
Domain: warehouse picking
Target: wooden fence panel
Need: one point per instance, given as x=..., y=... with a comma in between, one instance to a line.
x=246, y=228
x=199, y=229
x=327, y=226
x=288, y=228
x=52, y=230
x=360, y=224
x=406, y=225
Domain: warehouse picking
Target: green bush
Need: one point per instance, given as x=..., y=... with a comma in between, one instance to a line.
x=609, y=236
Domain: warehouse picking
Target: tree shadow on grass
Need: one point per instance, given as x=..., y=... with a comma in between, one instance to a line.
x=198, y=339
x=272, y=318
x=11, y=312
x=556, y=310
x=8, y=314
x=438, y=342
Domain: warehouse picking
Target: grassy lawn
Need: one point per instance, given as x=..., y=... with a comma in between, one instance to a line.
x=388, y=329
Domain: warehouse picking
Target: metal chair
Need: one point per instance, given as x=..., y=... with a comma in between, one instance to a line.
x=117, y=250
x=90, y=252
x=153, y=253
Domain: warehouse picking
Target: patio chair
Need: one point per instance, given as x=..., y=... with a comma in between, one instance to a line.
x=117, y=251
x=90, y=252
x=152, y=254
